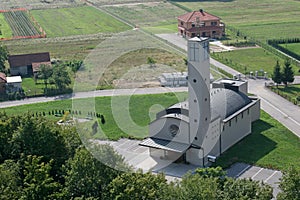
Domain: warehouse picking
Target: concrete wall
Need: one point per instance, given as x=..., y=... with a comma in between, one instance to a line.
x=255, y=110
x=164, y=155
x=211, y=143
x=161, y=129
x=195, y=156
x=235, y=129
x=199, y=87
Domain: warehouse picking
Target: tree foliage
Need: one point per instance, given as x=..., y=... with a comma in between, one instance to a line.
x=288, y=73
x=276, y=76
x=45, y=73
x=290, y=185
x=61, y=77
x=3, y=57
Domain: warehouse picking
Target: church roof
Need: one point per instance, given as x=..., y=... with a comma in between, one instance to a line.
x=225, y=102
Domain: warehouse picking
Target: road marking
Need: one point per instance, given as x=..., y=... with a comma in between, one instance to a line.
x=241, y=172
x=270, y=177
x=256, y=173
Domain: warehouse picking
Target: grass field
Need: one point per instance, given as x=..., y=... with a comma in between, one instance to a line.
x=138, y=107
x=156, y=17
x=77, y=21
x=294, y=47
x=262, y=19
x=290, y=93
x=254, y=59
x=6, y=31
x=63, y=48
x=270, y=145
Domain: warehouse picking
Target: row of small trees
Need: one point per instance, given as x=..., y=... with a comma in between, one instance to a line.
x=284, y=76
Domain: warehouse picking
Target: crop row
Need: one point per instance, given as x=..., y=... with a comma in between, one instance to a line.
x=20, y=23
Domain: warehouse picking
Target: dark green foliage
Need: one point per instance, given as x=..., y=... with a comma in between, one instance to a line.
x=275, y=43
x=287, y=74
x=276, y=76
x=290, y=185
x=3, y=57
x=61, y=77
x=45, y=72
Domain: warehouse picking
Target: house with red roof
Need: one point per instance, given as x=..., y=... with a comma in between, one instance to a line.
x=200, y=23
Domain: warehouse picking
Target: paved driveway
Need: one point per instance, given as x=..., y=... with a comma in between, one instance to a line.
x=268, y=176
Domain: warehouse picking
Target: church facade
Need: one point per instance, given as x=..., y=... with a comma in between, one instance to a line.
x=215, y=117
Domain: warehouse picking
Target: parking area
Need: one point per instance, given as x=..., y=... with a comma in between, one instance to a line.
x=268, y=176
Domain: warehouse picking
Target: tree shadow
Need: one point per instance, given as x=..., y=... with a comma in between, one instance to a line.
x=250, y=149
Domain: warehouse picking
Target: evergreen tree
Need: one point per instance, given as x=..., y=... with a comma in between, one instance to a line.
x=288, y=74
x=276, y=76
x=3, y=57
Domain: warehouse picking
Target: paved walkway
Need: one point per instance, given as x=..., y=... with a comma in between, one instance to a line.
x=279, y=108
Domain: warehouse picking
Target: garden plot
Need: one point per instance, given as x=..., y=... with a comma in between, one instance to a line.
x=38, y=4
x=20, y=24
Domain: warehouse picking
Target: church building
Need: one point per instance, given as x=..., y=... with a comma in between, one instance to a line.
x=215, y=117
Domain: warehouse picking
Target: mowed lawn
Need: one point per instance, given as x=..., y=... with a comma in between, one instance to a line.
x=269, y=145
x=77, y=21
x=262, y=19
x=5, y=29
x=254, y=59
x=157, y=17
x=294, y=47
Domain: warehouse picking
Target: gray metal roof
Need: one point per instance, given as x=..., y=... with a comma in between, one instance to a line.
x=225, y=102
x=165, y=144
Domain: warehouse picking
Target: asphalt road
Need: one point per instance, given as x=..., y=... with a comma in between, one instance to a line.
x=279, y=108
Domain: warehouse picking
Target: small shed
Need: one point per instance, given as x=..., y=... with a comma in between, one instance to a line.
x=14, y=84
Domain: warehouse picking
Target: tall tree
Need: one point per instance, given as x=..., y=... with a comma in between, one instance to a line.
x=288, y=73
x=3, y=57
x=61, y=77
x=129, y=186
x=45, y=73
x=290, y=185
x=37, y=183
x=276, y=76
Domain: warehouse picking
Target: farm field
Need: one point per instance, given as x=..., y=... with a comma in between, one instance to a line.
x=254, y=59
x=261, y=19
x=266, y=146
x=152, y=16
x=20, y=24
x=5, y=30
x=37, y=4
x=66, y=48
x=76, y=21
x=294, y=47
x=119, y=2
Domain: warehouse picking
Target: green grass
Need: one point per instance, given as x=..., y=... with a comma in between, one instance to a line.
x=6, y=31
x=254, y=59
x=31, y=88
x=293, y=47
x=270, y=145
x=262, y=19
x=65, y=49
x=290, y=93
x=157, y=17
x=139, y=107
x=76, y=21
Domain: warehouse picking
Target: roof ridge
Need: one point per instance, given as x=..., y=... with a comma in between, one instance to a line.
x=192, y=13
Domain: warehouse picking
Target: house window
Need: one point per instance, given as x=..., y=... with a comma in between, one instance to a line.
x=214, y=23
x=193, y=25
x=181, y=23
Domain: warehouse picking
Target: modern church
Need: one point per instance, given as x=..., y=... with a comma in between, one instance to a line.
x=215, y=117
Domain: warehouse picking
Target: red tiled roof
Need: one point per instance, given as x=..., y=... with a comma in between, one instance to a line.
x=192, y=16
x=3, y=77
x=28, y=59
x=36, y=65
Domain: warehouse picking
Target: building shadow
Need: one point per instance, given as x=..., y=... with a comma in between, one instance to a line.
x=250, y=149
